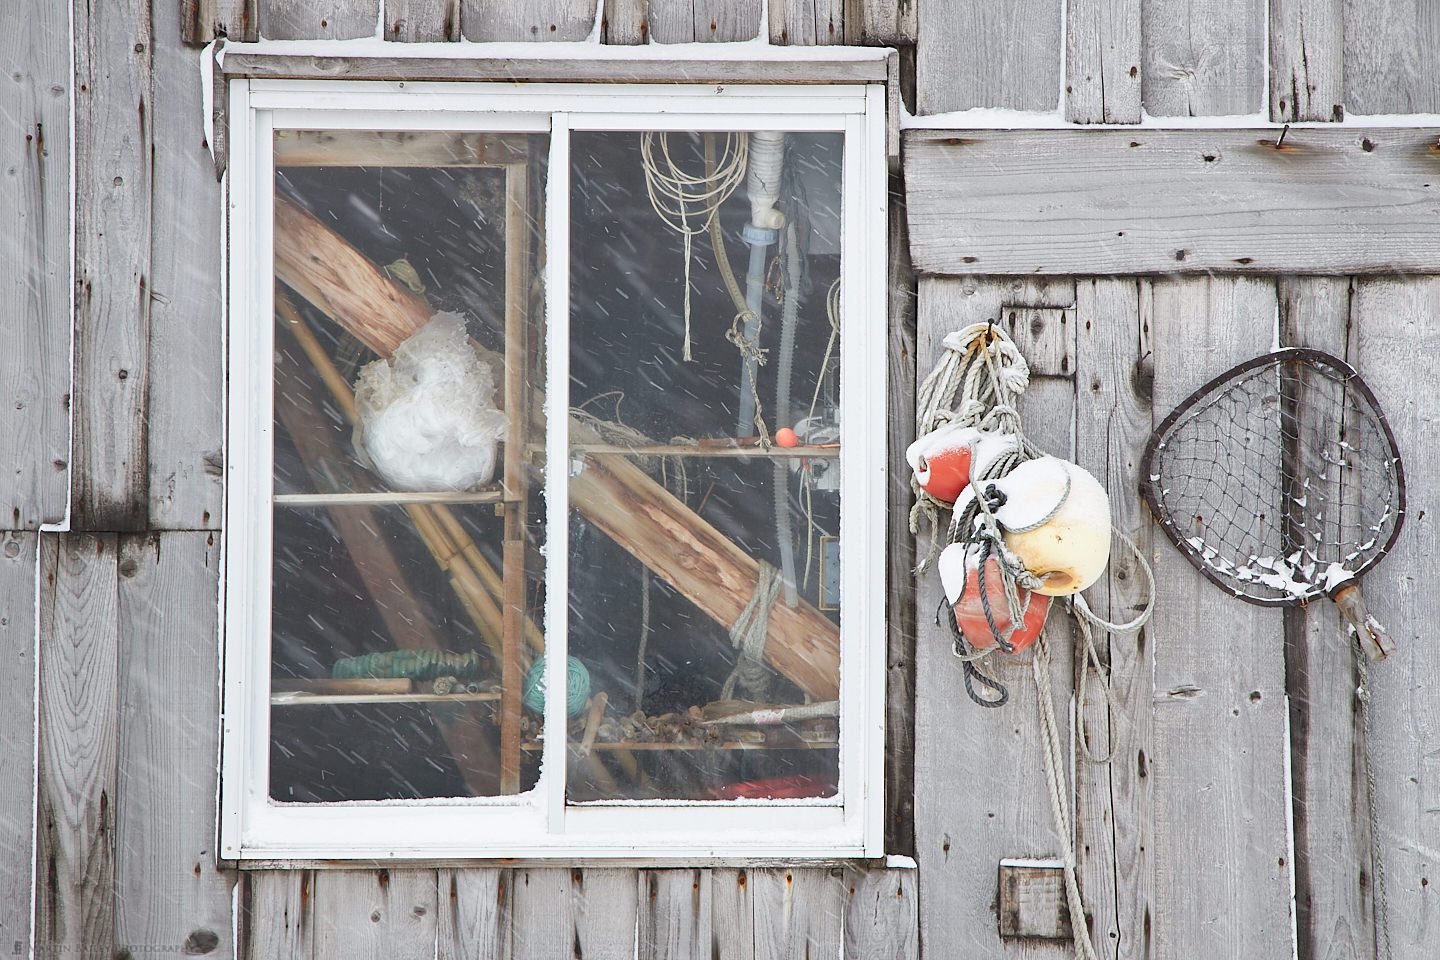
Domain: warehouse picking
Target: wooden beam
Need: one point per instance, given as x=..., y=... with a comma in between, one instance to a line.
x=1069, y=202
x=397, y=148
x=621, y=499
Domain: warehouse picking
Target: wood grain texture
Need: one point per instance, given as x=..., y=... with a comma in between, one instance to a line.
x=1203, y=58
x=732, y=915
x=35, y=248
x=203, y=20
x=113, y=128
x=169, y=747
x=18, y=557
x=1101, y=202
x=881, y=23
x=1328, y=797
x=1307, y=60
x=806, y=22
x=900, y=555
x=187, y=374
x=385, y=914
x=1112, y=424
x=1102, y=61
x=79, y=734
x=1001, y=54
x=675, y=915
x=543, y=920
x=1395, y=320
x=723, y=21
x=540, y=20
x=798, y=912
x=605, y=908
x=1221, y=843
x=474, y=914
x=1391, y=50
x=279, y=915
x=318, y=19
x=415, y=21
x=881, y=915
x=979, y=773
x=626, y=21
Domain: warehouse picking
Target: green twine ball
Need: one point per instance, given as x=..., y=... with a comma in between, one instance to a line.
x=577, y=686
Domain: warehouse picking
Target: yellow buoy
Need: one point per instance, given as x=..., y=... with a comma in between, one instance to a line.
x=1056, y=519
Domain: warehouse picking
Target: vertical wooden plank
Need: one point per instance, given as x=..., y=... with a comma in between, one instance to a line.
x=474, y=915
x=979, y=773
x=169, y=749
x=113, y=121
x=279, y=915
x=1203, y=57
x=900, y=558
x=1112, y=424
x=881, y=23
x=35, y=248
x=1102, y=61
x=724, y=21
x=675, y=915
x=1392, y=56
x=187, y=377
x=375, y=915
x=533, y=20
x=1221, y=843
x=203, y=20
x=672, y=21
x=544, y=914
x=1000, y=54
x=1329, y=803
x=1398, y=336
x=625, y=21
x=1307, y=60
x=806, y=22
x=415, y=21
x=604, y=903
x=18, y=556
x=799, y=912
x=732, y=915
x=881, y=915
x=318, y=19
x=75, y=907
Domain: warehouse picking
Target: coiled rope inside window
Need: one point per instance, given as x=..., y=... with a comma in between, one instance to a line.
x=686, y=202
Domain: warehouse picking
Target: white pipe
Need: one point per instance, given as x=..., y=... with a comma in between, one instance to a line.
x=789, y=321
x=762, y=186
x=762, y=178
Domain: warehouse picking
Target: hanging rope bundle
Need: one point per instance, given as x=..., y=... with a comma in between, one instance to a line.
x=687, y=203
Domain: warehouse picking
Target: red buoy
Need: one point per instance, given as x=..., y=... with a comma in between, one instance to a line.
x=786, y=437
x=960, y=573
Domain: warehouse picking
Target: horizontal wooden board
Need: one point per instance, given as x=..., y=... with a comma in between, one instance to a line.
x=1062, y=202
x=599, y=70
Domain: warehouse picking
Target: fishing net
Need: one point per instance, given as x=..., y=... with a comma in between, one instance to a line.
x=1279, y=480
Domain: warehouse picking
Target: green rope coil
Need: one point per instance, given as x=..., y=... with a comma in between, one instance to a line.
x=577, y=687
x=409, y=664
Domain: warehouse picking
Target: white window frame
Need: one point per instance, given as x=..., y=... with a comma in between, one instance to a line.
x=540, y=824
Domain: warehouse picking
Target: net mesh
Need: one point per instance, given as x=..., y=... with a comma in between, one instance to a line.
x=1278, y=476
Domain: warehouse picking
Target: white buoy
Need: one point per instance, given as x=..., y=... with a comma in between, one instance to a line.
x=1056, y=519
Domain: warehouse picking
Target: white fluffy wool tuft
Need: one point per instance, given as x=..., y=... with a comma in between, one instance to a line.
x=426, y=418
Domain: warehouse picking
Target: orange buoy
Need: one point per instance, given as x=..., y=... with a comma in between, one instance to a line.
x=960, y=575
x=786, y=437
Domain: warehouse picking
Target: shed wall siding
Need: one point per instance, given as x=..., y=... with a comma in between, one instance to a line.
x=1185, y=841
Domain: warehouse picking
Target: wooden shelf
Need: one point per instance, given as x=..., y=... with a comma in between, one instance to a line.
x=296, y=698
x=650, y=745
x=691, y=450
x=494, y=495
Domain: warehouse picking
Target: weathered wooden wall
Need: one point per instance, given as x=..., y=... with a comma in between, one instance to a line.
x=1236, y=805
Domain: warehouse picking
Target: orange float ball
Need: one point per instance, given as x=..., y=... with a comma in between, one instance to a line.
x=786, y=437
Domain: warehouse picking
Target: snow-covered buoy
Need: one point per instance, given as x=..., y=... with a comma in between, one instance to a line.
x=960, y=575
x=426, y=417
x=945, y=459
x=1056, y=519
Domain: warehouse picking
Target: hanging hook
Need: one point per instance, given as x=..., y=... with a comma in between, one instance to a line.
x=1280, y=143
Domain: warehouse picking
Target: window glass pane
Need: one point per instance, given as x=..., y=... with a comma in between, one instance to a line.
x=692, y=680
x=405, y=586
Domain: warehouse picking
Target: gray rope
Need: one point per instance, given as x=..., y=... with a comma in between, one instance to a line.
x=749, y=633
x=1377, y=846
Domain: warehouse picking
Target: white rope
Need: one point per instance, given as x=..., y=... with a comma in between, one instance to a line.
x=1381, y=910
x=748, y=635
x=679, y=197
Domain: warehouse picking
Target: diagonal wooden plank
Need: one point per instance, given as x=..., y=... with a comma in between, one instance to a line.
x=375, y=915
x=474, y=914
x=999, y=54
x=169, y=747
x=1203, y=58
x=35, y=247
x=1102, y=61
x=1221, y=840
x=1307, y=60
x=75, y=869
x=113, y=193
x=1395, y=321
x=1166, y=201
x=18, y=557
